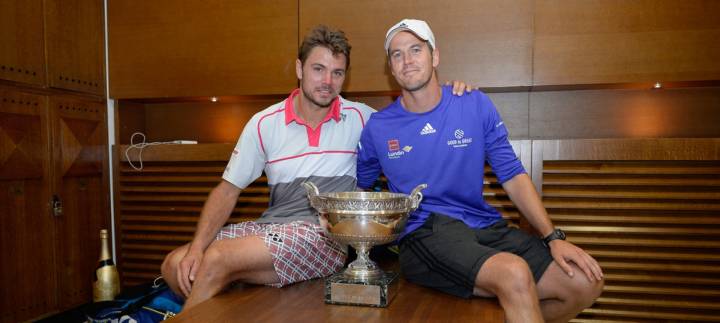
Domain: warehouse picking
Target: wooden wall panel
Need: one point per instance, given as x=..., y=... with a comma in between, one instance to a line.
x=487, y=43
x=218, y=122
x=649, y=212
x=75, y=41
x=22, y=50
x=129, y=118
x=689, y=112
x=81, y=183
x=619, y=41
x=27, y=273
x=179, y=49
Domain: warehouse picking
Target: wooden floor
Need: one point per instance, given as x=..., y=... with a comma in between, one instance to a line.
x=303, y=302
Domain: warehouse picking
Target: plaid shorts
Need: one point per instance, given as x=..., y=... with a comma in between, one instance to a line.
x=300, y=250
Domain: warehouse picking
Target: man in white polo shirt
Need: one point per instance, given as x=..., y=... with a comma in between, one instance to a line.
x=310, y=136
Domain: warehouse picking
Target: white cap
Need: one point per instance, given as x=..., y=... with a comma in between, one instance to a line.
x=417, y=27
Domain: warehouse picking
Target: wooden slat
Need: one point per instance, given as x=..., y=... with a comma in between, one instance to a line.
x=679, y=267
x=171, y=179
x=639, y=255
x=187, y=198
x=658, y=303
x=630, y=242
x=582, y=167
x=656, y=315
x=557, y=179
x=630, y=219
x=618, y=204
x=625, y=193
x=671, y=291
x=662, y=279
x=712, y=232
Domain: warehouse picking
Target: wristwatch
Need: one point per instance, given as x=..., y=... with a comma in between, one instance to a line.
x=556, y=234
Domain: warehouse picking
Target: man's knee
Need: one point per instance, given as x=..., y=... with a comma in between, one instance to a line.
x=170, y=263
x=583, y=291
x=214, y=261
x=508, y=275
x=589, y=292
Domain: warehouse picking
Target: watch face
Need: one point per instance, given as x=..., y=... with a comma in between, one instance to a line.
x=560, y=234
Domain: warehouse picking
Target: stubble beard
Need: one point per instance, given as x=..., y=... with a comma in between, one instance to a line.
x=420, y=85
x=308, y=95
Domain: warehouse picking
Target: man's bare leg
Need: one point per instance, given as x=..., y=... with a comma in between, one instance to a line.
x=563, y=297
x=508, y=277
x=243, y=259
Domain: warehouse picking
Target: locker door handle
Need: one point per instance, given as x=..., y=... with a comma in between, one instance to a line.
x=57, y=207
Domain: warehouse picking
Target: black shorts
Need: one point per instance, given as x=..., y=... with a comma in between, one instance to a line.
x=446, y=254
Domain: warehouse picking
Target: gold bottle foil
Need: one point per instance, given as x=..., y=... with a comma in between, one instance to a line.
x=107, y=280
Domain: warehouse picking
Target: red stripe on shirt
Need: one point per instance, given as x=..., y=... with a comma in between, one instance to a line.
x=314, y=153
x=362, y=120
x=258, y=126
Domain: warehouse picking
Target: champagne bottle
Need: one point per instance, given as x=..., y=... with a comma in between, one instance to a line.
x=107, y=280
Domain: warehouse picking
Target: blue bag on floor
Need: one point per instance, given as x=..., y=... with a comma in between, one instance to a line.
x=148, y=303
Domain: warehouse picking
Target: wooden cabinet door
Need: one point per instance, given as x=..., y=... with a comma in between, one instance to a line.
x=617, y=41
x=80, y=158
x=27, y=273
x=484, y=43
x=22, y=55
x=168, y=48
x=75, y=45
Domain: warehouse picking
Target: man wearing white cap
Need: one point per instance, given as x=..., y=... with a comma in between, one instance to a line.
x=455, y=242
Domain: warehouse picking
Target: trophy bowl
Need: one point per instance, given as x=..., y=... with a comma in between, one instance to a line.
x=363, y=220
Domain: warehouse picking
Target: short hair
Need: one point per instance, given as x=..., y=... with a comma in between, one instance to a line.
x=328, y=37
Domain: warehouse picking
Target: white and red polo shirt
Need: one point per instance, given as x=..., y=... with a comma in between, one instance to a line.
x=290, y=152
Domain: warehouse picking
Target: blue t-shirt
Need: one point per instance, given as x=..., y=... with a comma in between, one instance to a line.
x=446, y=148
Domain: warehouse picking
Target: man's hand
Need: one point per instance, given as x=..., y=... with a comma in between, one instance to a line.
x=564, y=252
x=188, y=267
x=459, y=87
x=324, y=222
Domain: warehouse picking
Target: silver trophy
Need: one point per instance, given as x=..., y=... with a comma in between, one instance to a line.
x=363, y=220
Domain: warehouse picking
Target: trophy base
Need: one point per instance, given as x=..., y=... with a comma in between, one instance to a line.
x=345, y=291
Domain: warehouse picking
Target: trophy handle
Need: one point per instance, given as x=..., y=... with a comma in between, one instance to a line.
x=416, y=196
x=312, y=192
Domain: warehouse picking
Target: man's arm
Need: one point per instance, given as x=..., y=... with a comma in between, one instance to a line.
x=522, y=192
x=215, y=213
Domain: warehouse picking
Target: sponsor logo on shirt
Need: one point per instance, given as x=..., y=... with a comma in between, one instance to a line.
x=394, y=150
x=428, y=129
x=460, y=139
x=393, y=145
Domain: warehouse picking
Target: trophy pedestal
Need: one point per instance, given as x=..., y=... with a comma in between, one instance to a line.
x=346, y=291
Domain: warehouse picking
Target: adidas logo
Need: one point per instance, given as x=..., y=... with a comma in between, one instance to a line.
x=428, y=129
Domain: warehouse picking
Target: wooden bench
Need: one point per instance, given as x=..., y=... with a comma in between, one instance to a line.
x=304, y=302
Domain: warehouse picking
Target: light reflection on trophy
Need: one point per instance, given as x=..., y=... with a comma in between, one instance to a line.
x=363, y=220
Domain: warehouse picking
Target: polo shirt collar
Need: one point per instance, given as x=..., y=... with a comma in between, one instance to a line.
x=290, y=115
